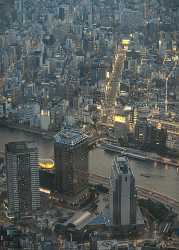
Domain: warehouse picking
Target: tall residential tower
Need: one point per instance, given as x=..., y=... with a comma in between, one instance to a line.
x=22, y=178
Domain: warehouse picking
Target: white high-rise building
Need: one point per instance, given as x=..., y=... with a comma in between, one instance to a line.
x=123, y=193
x=22, y=178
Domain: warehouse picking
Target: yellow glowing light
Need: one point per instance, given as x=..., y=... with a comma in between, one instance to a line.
x=175, y=58
x=120, y=119
x=99, y=107
x=43, y=190
x=174, y=48
x=46, y=164
x=159, y=125
x=125, y=42
x=107, y=74
x=127, y=108
x=45, y=113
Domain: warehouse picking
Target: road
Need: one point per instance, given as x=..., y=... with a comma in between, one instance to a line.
x=152, y=194
x=113, y=82
x=142, y=192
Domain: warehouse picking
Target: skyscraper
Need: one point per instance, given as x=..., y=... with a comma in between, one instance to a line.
x=71, y=160
x=22, y=178
x=123, y=193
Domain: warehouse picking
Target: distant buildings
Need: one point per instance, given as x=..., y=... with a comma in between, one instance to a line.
x=22, y=178
x=123, y=194
x=142, y=132
x=172, y=128
x=146, y=134
x=71, y=160
x=121, y=129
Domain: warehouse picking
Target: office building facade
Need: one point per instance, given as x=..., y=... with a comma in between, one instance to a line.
x=122, y=194
x=71, y=160
x=22, y=178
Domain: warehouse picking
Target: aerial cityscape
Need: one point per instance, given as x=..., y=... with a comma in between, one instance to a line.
x=89, y=124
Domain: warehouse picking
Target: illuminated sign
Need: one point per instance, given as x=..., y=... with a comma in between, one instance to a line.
x=125, y=42
x=43, y=190
x=120, y=119
x=46, y=164
x=107, y=74
x=159, y=125
x=99, y=107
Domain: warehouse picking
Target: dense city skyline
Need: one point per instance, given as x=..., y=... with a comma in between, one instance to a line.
x=89, y=124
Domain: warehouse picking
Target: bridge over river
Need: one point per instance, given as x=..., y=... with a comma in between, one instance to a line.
x=138, y=154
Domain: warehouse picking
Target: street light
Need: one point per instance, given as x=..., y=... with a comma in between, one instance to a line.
x=166, y=95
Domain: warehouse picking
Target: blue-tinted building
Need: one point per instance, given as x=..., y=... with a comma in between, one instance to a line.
x=123, y=194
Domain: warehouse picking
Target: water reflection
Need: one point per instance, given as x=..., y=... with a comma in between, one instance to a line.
x=164, y=179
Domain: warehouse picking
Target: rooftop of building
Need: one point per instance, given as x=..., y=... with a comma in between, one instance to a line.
x=110, y=244
x=100, y=220
x=121, y=166
x=20, y=146
x=80, y=219
x=106, y=244
x=70, y=137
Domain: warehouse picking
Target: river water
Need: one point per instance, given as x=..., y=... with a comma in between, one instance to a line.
x=149, y=175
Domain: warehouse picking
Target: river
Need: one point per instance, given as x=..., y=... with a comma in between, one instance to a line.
x=161, y=178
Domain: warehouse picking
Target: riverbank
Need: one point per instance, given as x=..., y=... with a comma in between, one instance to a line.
x=34, y=131
x=129, y=152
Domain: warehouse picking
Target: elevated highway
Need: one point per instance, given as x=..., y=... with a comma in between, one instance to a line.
x=157, y=196
x=141, y=191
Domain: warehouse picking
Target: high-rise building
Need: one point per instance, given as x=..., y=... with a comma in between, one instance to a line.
x=61, y=13
x=152, y=136
x=123, y=193
x=142, y=131
x=22, y=178
x=71, y=160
